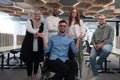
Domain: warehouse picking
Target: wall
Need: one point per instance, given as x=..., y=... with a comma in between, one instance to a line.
x=9, y=26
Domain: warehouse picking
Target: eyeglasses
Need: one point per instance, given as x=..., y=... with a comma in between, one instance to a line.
x=74, y=12
x=37, y=14
x=62, y=26
x=101, y=19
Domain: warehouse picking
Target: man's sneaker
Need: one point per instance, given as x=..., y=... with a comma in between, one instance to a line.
x=99, y=68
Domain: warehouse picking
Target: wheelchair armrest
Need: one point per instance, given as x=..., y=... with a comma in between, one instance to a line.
x=47, y=54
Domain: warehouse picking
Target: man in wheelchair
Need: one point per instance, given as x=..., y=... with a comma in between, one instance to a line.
x=59, y=60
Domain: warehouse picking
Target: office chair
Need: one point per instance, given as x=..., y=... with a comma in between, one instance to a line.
x=14, y=57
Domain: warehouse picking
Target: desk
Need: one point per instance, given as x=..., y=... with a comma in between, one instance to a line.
x=116, y=52
x=7, y=49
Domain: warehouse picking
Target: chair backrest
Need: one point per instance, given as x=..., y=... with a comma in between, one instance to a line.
x=88, y=47
x=71, y=55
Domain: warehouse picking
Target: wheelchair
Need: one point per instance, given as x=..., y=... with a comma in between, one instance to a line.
x=46, y=72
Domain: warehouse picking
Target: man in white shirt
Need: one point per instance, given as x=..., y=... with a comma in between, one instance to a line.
x=51, y=24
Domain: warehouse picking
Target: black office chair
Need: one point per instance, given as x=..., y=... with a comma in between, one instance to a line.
x=14, y=57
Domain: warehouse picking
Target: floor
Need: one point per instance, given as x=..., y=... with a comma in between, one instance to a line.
x=20, y=74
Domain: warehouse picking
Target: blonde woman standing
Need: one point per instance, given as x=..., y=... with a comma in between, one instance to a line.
x=32, y=51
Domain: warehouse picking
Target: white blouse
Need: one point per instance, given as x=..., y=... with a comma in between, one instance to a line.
x=75, y=30
x=32, y=30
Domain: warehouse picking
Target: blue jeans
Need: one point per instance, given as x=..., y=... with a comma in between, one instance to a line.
x=103, y=54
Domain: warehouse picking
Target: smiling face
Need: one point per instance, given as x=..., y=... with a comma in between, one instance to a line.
x=55, y=11
x=37, y=14
x=74, y=13
x=62, y=26
x=102, y=19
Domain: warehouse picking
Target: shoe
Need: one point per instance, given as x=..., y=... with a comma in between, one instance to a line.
x=99, y=68
x=95, y=78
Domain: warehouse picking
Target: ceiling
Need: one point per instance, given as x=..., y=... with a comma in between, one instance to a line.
x=87, y=8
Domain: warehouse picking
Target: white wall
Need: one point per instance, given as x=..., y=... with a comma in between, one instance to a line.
x=7, y=25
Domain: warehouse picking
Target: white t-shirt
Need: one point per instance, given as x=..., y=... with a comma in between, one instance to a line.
x=51, y=26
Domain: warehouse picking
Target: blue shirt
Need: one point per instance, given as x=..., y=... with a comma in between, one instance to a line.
x=59, y=45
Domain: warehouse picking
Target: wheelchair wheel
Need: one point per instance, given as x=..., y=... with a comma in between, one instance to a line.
x=45, y=76
x=45, y=73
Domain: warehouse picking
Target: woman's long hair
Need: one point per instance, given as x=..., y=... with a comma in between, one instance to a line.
x=77, y=18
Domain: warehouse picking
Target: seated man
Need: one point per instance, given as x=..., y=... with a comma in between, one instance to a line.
x=102, y=41
x=58, y=46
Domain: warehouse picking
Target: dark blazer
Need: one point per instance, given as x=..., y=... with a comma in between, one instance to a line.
x=27, y=46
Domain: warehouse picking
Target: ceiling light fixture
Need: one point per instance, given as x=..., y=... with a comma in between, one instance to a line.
x=75, y=4
x=44, y=1
x=61, y=12
x=14, y=5
x=113, y=1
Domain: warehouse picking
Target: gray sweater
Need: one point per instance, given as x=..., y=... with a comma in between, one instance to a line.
x=103, y=34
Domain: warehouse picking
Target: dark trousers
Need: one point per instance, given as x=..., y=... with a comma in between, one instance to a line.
x=33, y=64
x=66, y=70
